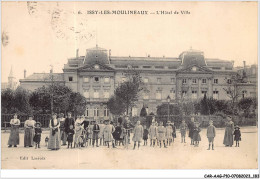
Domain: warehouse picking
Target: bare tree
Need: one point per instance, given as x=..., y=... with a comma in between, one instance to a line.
x=234, y=90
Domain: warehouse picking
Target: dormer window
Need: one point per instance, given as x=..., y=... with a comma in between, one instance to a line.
x=194, y=69
x=70, y=78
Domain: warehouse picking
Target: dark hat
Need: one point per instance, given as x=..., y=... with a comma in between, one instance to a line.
x=107, y=120
x=38, y=123
x=237, y=127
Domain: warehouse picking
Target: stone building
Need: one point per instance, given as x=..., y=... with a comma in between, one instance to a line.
x=184, y=78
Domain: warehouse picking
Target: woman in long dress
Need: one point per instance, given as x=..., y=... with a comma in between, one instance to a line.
x=138, y=134
x=62, y=129
x=228, y=138
x=14, y=134
x=78, y=129
x=107, y=133
x=54, y=138
x=29, y=132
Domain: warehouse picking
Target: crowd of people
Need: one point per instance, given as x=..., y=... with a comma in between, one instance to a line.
x=80, y=132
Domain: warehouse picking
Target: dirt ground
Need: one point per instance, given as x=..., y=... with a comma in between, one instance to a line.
x=178, y=156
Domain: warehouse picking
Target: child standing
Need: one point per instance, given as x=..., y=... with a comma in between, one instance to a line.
x=70, y=136
x=237, y=135
x=169, y=133
x=145, y=135
x=138, y=134
x=173, y=131
x=183, y=128
x=161, y=134
x=107, y=133
x=37, y=136
x=196, y=135
x=153, y=133
x=211, y=133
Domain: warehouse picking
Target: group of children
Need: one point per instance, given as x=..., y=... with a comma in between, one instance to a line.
x=83, y=133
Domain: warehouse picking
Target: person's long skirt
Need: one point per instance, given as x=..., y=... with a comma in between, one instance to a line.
x=228, y=138
x=54, y=140
x=14, y=136
x=77, y=135
x=63, y=136
x=28, y=137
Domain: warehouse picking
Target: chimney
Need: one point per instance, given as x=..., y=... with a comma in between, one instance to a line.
x=77, y=53
x=24, y=74
x=51, y=70
x=244, y=64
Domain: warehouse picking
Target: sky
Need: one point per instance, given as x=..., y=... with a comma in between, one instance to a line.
x=45, y=34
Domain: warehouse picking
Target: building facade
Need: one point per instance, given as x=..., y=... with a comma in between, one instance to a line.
x=185, y=78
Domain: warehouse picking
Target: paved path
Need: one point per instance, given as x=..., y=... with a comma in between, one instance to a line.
x=177, y=156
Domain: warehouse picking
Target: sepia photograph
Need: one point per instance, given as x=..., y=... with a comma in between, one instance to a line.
x=129, y=85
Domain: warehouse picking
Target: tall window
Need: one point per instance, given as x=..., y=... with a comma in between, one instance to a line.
x=106, y=94
x=215, y=81
x=107, y=79
x=194, y=94
x=229, y=81
x=86, y=93
x=146, y=95
x=203, y=93
x=204, y=81
x=244, y=94
x=86, y=79
x=172, y=94
x=184, y=94
x=96, y=94
x=96, y=112
x=184, y=81
x=194, y=81
x=106, y=112
x=134, y=111
x=70, y=78
x=87, y=112
x=146, y=80
x=96, y=79
x=159, y=95
x=215, y=94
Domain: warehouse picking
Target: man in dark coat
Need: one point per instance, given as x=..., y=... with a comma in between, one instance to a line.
x=191, y=130
x=117, y=134
x=95, y=135
x=69, y=121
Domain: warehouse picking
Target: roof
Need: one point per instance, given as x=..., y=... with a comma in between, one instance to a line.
x=144, y=61
x=97, y=48
x=219, y=63
x=44, y=77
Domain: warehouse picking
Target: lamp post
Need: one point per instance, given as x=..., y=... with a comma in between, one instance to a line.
x=168, y=101
x=51, y=73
